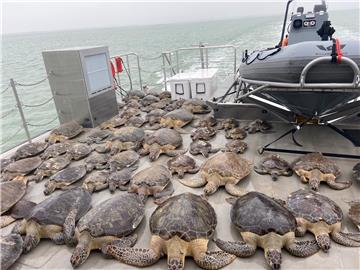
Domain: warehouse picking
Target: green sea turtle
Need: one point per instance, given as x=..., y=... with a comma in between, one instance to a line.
x=314, y=168
x=236, y=133
x=201, y=147
x=149, y=99
x=64, y=178
x=181, y=226
x=19, y=211
x=356, y=172
x=174, y=105
x=30, y=150
x=321, y=216
x=50, y=167
x=127, y=113
x=20, y=168
x=96, y=136
x=134, y=94
x=55, y=150
x=135, y=121
x=65, y=132
x=165, y=95
x=208, y=121
x=154, y=116
x=78, y=151
x=275, y=166
x=96, y=161
x=54, y=218
x=176, y=119
x=119, y=179
x=224, y=169
x=11, y=249
x=203, y=133
x=265, y=223
x=235, y=146
x=228, y=123
x=196, y=106
x=155, y=181
x=258, y=125
x=96, y=181
x=12, y=192
x=97, y=228
x=354, y=212
x=4, y=162
x=113, y=123
x=182, y=164
x=163, y=141
x=123, y=160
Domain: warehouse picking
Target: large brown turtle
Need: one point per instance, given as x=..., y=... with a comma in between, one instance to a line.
x=55, y=150
x=30, y=150
x=65, y=132
x=78, y=151
x=196, y=106
x=321, y=216
x=54, y=218
x=119, y=179
x=181, y=226
x=96, y=161
x=203, y=148
x=176, y=119
x=356, y=172
x=11, y=193
x=11, y=249
x=163, y=141
x=19, y=211
x=275, y=166
x=354, y=212
x=113, y=220
x=96, y=181
x=182, y=164
x=50, y=167
x=265, y=223
x=314, y=168
x=154, y=116
x=155, y=181
x=64, y=178
x=224, y=169
x=123, y=160
x=20, y=168
x=258, y=125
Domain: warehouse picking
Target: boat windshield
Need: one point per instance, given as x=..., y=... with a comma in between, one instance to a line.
x=307, y=7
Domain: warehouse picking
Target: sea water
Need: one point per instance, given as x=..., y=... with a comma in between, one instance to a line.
x=22, y=59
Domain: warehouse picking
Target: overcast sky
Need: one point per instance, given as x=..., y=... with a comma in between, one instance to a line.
x=31, y=16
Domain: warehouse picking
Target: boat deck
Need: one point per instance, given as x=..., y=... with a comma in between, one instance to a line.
x=50, y=256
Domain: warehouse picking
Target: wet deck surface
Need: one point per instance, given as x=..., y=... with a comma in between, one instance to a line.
x=50, y=256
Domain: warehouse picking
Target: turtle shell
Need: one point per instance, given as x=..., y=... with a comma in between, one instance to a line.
x=54, y=209
x=96, y=136
x=55, y=150
x=69, y=174
x=54, y=164
x=30, y=150
x=24, y=166
x=118, y=216
x=124, y=159
x=181, y=161
x=69, y=130
x=11, y=249
x=79, y=150
x=22, y=209
x=314, y=207
x=356, y=172
x=149, y=99
x=313, y=161
x=257, y=213
x=227, y=164
x=187, y=216
x=129, y=134
x=11, y=192
x=165, y=136
x=180, y=114
x=196, y=106
x=157, y=175
x=4, y=162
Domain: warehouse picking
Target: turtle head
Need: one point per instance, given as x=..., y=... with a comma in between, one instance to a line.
x=49, y=187
x=175, y=254
x=324, y=242
x=79, y=255
x=315, y=178
x=273, y=258
x=155, y=152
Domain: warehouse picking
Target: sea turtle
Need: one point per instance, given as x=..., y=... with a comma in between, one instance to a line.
x=55, y=150
x=162, y=141
x=50, y=167
x=224, y=169
x=113, y=123
x=11, y=249
x=133, y=103
x=154, y=116
x=235, y=134
x=354, y=212
x=20, y=168
x=228, y=123
x=162, y=104
x=129, y=112
x=182, y=164
x=321, y=216
x=314, y=168
x=96, y=181
x=275, y=166
x=64, y=178
x=149, y=99
x=4, y=162
x=201, y=147
x=30, y=150
x=235, y=146
x=119, y=179
x=96, y=136
x=19, y=211
x=96, y=161
x=124, y=138
x=265, y=223
x=208, y=121
x=196, y=106
x=11, y=192
x=174, y=105
x=54, y=218
x=180, y=227
x=203, y=133
x=165, y=95
x=64, y=132
x=154, y=180
x=356, y=172
x=135, y=121
x=78, y=151
x=123, y=160
x=258, y=125
x=98, y=228
x=176, y=119
x=134, y=94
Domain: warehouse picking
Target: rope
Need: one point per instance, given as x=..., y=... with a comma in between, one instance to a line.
x=35, y=83
x=150, y=58
x=38, y=105
x=7, y=88
x=8, y=113
x=10, y=137
x=43, y=124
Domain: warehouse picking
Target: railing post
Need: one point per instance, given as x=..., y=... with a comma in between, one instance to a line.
x=12, y=83
x=129, y=71
x=164, y=70
x=201, y=46
x=177, y=61
x=139, y=71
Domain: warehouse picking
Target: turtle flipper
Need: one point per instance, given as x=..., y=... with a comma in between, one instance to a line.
x=199, y=182
x=20, y=227
x=69, y=224
x=239, y=248
x=58, y=238
x=338, y=185
x=302, y=248
x=127, y=241
x=344, y=240
x=194, y=170
x=164, y=194
x=6, y=220
x=300, y=231
x=181, y=130
x=260, y=170
x=32, y=237
x=353, y=236
x=234, y=190
x=213, y=259
x=133, y=256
